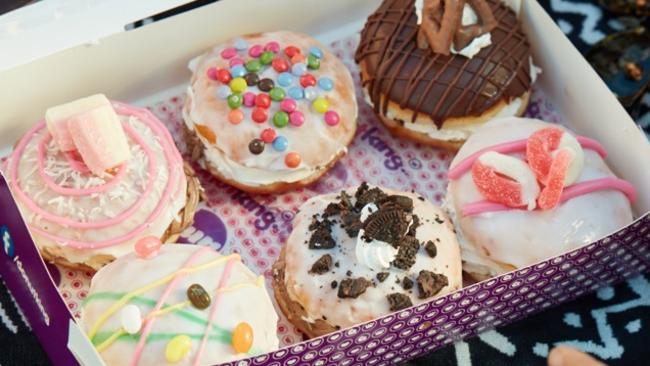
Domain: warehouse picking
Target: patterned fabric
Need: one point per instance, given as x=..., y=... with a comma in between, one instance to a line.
x=612, y=324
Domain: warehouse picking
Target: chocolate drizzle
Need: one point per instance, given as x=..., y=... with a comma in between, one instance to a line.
x=434, y=84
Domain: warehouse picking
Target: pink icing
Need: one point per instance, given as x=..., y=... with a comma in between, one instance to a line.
x=148, y=323
x=213, y=310
x=513, y=147
x=570, y=192
x=174, y=165
x=65, y=191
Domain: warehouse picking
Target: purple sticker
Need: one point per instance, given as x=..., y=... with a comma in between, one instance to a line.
x=208, y=229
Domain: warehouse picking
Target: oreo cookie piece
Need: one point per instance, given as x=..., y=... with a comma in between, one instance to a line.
x=382, y=276
x=430, y=248
x=353, y=287
x=429, y=283
x=365, y=195
x=387, y=225
x=406, y=253
x=398, y=301
x=322, y=265
x=321, y=238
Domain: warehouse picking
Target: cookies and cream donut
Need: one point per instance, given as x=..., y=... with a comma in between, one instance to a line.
x=437, y=84
x=361, y=254
x=180, y=305
x=96, y=176
x=523, y=190
x=269, y=112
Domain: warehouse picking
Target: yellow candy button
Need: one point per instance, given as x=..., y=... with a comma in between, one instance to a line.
x=242, y=337
x=321, y=105
x=177, y=348
x=238, y=85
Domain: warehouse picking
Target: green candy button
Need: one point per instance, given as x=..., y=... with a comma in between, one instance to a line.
x=281, y=119
x=313, y=62
x=253, y=66
x=235, y=100
x=277, y=94
x=266, y=58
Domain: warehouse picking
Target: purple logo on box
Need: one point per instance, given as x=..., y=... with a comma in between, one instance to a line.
x=7, y=242
x=208, y=229
x=393, y=160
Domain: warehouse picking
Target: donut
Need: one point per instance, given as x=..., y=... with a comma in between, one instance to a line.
x=523, y=190
x=82, y=220
x=361, y=254
x=437, y=87
x=155, y=306
x=269, y=112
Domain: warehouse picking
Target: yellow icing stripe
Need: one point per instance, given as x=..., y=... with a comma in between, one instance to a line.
x=112, y=338
x=259, y=282
x=125, y=299
x=168, y=309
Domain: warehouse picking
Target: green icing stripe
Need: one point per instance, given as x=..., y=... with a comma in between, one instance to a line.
x=154, y=337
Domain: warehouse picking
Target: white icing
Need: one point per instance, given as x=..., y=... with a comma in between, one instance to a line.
x=319, y=300
x=419, y=4
x=520, y=238
x=516, y=169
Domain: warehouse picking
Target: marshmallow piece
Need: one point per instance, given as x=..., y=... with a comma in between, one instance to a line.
x=56, y=118
x=99, y=139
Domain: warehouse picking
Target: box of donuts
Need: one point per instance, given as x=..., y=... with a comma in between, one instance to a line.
x=313, y=183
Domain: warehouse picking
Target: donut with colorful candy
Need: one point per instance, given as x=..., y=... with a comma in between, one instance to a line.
x=269, y=112
x=523, y=190
x=178, y=305
x=95, y=176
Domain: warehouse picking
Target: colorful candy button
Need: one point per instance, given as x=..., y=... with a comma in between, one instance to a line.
x=253, y=65
x=229, y=52
x=298, y=69
x=277, y=94
x=290, y=51
x=280, y=65
x=259, y=115
x=256, y=146
x=235, y=116
x=249, y=99
x=238, y=85
x=332, y=118
x=296, y=118
x=212, y=73
x=296, y=92
x=326, y=83
x=266, y=57
x=266, y=85
x=224, y=76
x=268, y=135
x=280, y=143
x=147, y=247
x=235, y=61
x=298, y=58
x=320, y=105
x=285, y=79
x=313, y=62
x=242, y=338
x=241, y=44
x=223, y=92
x=316, y=52
x=262, y=100
x=281, y=119
x=251, y=79
x=311, y=93
x=256, y=50
x=177, y=348
x=307, y=80
x=292, y=159
x=235, y=100
x=198, y=296
x=131, y=319
x=288, y=105
x=272, y=46
x=238, y=71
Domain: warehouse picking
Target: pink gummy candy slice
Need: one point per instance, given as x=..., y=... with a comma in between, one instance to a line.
x=538, y=151
x=495, y=187
x=552, y=192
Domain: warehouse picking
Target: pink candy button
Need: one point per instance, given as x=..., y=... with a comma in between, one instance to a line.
x=288, y=105
x=249, y=99
x=229, y=52
x=332, y=118
x=147, y=247
x=236, y=61
x=296, y=118
x=256, y=50
x=272, y=46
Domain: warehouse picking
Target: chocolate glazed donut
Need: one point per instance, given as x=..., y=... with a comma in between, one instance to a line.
x=441, y=86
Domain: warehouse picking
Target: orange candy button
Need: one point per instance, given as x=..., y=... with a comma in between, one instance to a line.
x=242, y=338
x=235, y=116
x=292, y=159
